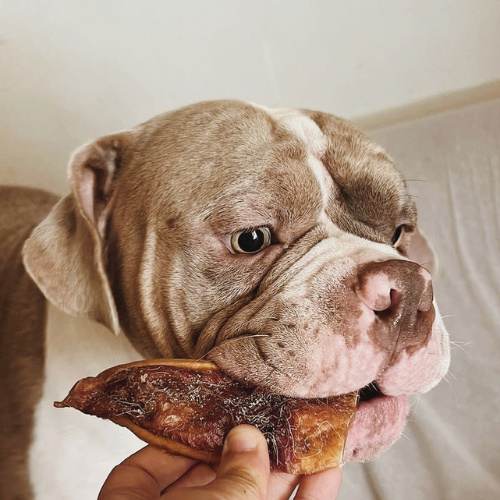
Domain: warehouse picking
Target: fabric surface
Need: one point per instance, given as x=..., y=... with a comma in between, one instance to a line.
x=451, y=445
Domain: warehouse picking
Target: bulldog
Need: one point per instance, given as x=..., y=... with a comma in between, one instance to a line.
x=281, y=244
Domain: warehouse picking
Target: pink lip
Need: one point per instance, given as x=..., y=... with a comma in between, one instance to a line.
x=376, y=425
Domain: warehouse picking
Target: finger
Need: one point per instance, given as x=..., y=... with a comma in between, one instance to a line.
x=244, y=469
x=199, y=475
x=144, y=475
x=323, y=485
x=281, y=485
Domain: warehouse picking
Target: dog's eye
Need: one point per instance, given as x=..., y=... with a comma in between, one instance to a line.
x=397, y=237
x=251, y=241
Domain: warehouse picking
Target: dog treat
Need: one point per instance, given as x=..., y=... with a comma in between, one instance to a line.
x=187, y=407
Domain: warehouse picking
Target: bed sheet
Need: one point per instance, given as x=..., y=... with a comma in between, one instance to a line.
x=450, y=448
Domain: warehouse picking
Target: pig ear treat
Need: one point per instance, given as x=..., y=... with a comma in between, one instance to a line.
x=187, y=408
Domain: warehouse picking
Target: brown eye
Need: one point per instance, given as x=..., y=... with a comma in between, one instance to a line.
x=397, y=237
x=251, y=241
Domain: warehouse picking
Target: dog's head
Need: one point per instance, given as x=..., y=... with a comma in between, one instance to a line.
x=281, y=244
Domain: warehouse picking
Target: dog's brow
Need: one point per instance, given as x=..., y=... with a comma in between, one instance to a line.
x=312, y=139
x=230, y=217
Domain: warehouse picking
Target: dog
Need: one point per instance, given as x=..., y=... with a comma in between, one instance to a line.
x=281, y=244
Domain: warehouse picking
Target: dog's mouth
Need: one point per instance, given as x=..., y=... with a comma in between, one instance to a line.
x=378, y=422
x=369, y=392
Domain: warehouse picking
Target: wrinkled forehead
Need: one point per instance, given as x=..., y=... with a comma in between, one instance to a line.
x=370, y=197
x=277, y=172
x=291, y=165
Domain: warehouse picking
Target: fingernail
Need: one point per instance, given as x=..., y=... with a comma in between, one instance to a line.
x=241, y=440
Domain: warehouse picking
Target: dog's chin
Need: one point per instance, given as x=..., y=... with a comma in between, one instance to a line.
x=378, y=422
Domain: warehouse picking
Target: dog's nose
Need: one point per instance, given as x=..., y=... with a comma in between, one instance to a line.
x=399, y=294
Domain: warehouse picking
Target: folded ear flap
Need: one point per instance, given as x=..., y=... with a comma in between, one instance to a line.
x=421, y=251
x=64, y=254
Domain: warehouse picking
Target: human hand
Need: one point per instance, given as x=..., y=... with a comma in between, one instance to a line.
x=243, y=474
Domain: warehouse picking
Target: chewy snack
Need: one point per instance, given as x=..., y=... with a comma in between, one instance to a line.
x=187, y=407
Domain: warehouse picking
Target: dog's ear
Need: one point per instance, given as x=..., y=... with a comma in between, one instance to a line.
x=421, y=251
x=65, y=253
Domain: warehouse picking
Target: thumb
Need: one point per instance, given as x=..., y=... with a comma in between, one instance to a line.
x=244, y=469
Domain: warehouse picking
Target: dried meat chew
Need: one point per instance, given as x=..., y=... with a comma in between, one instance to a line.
x=188, y=407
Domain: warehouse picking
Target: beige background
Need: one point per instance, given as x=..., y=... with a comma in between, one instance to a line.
x=73, y=70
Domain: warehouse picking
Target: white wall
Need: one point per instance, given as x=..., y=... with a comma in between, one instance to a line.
x=71, y=70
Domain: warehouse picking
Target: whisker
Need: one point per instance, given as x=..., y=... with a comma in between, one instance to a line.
x=461, y=345
x=445, y=378
x=239, y=337
x=403, y=435
x=414, y=404
x=243, y=337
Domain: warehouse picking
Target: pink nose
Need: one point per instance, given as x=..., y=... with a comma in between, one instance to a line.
x=400, y=295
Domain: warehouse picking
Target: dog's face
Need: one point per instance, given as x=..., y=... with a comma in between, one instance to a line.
x=280, y=244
